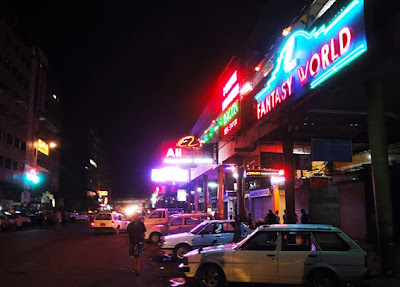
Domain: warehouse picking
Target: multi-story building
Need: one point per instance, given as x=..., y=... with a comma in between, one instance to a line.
x=29, y=121
x=85, y=174
x=313, y=124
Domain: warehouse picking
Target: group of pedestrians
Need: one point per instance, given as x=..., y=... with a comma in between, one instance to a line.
x=274, y=218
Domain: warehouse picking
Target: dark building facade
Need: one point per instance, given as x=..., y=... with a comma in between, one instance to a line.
x=30, y=119
x=85, y=172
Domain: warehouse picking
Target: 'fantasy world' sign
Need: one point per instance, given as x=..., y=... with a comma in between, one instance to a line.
x=307, y=59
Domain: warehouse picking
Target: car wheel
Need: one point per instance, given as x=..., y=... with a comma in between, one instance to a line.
x=155, y=237
x=181, y=250
x=323, y=278
x=212, y=276
x=117, y=231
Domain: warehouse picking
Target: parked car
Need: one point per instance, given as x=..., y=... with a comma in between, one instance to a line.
x=178, y=223
x=207, y=233
x=160, y=215
x=81, y=216
x=110, y=221
x=5, y=222
x=26, y=220
x=283, y=254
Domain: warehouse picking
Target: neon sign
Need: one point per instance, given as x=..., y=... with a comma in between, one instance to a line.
x=230, y=118
x=189, y=142
x=307, y=59
x=229, y=121
x=231, y=87
x=170, y=173
x=175, y=155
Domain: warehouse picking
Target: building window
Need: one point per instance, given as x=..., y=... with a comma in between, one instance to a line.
x=15, y=165
x=9, y=139
x=16, y=142
x=8, y=163
x=23, y=146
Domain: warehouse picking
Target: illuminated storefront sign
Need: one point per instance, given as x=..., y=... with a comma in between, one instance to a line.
x=170, y=173
x=307, y=59
x=102, y=193
x=188, y=142
x=229, y=120
x=230, y=91
x=178, y=154
x=43, y=147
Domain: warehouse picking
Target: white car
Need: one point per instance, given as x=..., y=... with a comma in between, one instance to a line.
x=281, y=254
x=207, y=233
x=177, y=223
x=80, y=216
x=109, y=221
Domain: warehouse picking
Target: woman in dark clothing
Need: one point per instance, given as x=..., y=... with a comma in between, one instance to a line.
x=135, y=232
x=238, y=229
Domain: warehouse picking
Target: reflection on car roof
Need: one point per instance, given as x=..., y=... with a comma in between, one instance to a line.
x=325, y=227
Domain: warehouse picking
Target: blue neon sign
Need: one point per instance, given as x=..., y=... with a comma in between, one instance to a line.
x=308, y=58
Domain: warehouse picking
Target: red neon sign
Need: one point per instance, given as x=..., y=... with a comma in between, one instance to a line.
x=230, y=91
x=275, y=98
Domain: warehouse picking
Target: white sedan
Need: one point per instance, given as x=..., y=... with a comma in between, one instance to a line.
x=207, y=233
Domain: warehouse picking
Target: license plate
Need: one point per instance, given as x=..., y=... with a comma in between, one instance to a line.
x=102, y=224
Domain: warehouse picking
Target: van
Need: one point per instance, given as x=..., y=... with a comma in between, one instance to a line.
x=160, y=215
x=176, y=224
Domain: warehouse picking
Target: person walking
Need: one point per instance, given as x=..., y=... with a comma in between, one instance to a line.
x=304, y=218
x=135, y=233
x=278, y=218
x=250, y=221
x=285, y=217
x=238, y=229
x=270, y=218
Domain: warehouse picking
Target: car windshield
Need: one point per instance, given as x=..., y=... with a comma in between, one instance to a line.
x=199, y=227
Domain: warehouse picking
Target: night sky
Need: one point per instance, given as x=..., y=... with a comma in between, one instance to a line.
x=141, y=71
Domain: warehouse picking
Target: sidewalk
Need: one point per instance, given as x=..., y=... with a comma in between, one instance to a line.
x=375, y=278
x=381, y=281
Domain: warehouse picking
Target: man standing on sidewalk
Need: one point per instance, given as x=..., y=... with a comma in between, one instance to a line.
x=135, y=232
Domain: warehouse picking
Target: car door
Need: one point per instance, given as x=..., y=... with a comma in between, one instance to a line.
x=256, y=260
x=155, y=217
x=206, y=237
x=174, y=225
x=297, y=255
x=123, y=221
x=224, y=233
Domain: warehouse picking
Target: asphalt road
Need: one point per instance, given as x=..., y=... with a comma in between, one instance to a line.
x=76, y=256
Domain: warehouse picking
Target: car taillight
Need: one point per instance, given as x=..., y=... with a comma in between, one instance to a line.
x=112, y=223
x=92, y=224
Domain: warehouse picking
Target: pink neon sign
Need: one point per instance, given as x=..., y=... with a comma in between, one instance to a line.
x=230, y=91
